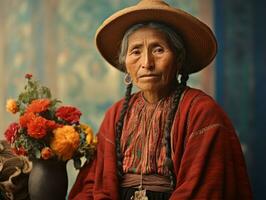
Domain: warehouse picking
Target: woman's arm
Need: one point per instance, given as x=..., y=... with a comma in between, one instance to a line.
x=99, y=179
x=83, y=187
x=212, y=165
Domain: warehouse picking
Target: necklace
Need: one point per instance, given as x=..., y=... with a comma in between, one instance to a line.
x=140, y=194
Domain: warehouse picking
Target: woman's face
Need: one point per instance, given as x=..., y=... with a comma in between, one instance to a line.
x=150, y=61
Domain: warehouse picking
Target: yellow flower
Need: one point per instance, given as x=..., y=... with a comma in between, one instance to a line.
x=11, y=106
x=65, y=142
x=89, y=138
x=95, y=140
x=89, y=133
x=83, y=126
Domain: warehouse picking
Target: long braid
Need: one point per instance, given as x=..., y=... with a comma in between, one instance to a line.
x=119, y=127
x=184, y=79
x=177, y=96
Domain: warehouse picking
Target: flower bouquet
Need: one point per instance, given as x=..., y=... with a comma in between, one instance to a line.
x=47, y=130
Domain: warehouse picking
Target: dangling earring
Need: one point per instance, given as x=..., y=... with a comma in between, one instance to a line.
x=178, y=77
x=127, y=79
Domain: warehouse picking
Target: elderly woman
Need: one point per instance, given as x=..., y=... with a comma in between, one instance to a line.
x=167, y=141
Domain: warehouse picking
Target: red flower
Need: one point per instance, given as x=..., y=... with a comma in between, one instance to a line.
x=28, y=76
x=11, y=132
x=46, y=153
x=38, y=105
x=39, y=127
x=69, y=114
x=20, y=151
x=26, y=118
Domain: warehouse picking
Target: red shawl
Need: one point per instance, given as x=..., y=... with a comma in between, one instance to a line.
x=207, y=156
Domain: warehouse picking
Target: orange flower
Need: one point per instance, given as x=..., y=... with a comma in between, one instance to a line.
x=26, y=118
x=39, y=127
x=46, y=153
x=65, y=142
x=11, y=106
x=45, y=130
x=38, y=105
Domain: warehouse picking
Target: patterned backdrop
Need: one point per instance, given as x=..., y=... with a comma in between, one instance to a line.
x=53, y=40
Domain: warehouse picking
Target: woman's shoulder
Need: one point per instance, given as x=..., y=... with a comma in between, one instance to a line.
x=196, y=96
x=201, y=105
x=116, y=105
x=197, y=101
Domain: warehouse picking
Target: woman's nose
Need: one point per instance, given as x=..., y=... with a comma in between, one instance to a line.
x=147, y=60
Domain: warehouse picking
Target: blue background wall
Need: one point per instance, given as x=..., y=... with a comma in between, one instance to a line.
x=240, y=78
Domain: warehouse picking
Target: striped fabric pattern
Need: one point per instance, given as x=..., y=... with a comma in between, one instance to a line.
x=142, y=135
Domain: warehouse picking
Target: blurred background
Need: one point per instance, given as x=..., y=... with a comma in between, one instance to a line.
x=53, y=40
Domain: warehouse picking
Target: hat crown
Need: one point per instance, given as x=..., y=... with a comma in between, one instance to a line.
x=200, y=42
x=152, y=3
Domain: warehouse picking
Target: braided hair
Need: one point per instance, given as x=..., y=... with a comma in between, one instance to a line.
x=167, y=140
x=178, y=48
x=168, y=126
x=119, y=127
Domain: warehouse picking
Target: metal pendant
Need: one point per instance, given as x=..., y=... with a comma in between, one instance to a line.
x=140, y=195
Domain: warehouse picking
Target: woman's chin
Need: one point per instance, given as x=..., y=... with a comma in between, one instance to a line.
x=152, y=88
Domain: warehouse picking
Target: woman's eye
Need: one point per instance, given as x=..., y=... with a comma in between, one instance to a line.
x=158, y=50
x=135, y=52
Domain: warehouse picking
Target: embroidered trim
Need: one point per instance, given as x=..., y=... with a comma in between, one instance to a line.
x=106, y=139
x=203, y=130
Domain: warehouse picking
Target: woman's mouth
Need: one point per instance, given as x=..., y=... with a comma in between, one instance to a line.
x=149, y=76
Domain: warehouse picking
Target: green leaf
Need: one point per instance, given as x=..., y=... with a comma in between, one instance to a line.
x=44, y=92
x=54, y=102
x=37, y=153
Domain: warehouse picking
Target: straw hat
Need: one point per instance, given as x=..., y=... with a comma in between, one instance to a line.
x=200, y=43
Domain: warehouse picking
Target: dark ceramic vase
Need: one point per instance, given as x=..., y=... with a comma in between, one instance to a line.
x=48, y=180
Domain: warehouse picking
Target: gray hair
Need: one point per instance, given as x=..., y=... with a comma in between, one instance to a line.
x=175, y=41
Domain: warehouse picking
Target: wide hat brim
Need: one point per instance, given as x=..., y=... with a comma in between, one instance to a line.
x=199, y=40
